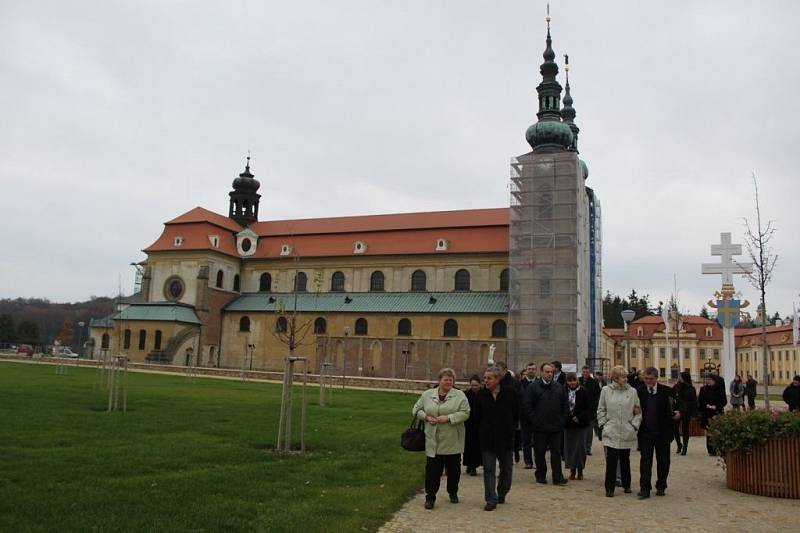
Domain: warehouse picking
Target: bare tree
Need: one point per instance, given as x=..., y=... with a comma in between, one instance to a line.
x=757, y=240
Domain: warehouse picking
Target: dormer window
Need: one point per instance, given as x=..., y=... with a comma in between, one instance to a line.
x=360, y=247
x=708, y=332
x=442, y=245
x=214, y=241
x=640, y=331
x=177, y=241
x=246, y=242
x=286, y=249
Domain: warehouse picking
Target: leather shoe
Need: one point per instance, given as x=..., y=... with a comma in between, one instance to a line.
x=490, y=507
x=628, y=490
x=643, y=494
x=660, y=492
x=561, y=481
x=542, y=481
x=454, y=498
x=501, y=499
x=428, y=504
x=683, y=452
x=609, y=493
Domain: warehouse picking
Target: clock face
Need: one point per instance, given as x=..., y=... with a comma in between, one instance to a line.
x=174, y=288
x=246, y=244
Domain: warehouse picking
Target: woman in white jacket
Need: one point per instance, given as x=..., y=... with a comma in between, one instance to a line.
x=619, y=415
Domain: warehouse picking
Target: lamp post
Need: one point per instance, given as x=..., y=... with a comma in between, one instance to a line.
x=627, y=316
x=344, y=354
x=80, y=337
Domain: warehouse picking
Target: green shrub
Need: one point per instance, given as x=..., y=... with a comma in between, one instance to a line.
x=737, y=430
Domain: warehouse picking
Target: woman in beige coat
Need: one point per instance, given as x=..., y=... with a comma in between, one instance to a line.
x=444, y=410
x=619, y=415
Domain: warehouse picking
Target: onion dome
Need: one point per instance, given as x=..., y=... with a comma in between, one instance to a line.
x=244, y=197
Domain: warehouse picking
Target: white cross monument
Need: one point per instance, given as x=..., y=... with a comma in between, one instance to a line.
x=727, y=306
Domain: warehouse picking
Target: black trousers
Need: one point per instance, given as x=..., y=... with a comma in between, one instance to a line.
x=434, y=466
x=681, y=428
x=541, y=442
x=616, y=456
x=751, y=401
x=649, y=446
x=527, y=437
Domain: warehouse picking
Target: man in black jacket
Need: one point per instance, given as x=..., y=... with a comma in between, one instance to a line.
x=558, y=375
x=791, y=394
x=593, y=390
x=546, y=407
x=525, y=425
x=506, y=378
x=655, y=432
x=750, y=387
x=497, y=414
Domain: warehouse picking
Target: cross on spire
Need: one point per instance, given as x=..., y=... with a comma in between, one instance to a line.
x=727, y=266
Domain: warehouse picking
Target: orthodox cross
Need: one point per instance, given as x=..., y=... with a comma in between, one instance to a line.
x=727, y=267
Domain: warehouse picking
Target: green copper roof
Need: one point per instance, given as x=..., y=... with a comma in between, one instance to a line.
x=157, y=311
x=375, y=302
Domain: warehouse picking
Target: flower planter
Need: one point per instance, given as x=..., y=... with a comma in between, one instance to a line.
x=694, y=428
x=770, y=470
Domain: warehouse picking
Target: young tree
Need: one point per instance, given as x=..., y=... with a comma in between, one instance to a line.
x=757, y=240
x=704, y=312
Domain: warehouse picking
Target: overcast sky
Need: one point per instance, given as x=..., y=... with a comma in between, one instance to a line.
x=118, y=116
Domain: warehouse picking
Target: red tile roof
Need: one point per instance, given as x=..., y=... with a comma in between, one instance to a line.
x=468, y=231
x=776, y=335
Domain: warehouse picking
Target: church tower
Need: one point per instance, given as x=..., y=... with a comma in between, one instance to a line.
x=244, y=197
x=549, y=232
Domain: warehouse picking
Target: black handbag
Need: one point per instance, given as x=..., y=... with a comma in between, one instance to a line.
x=413, y=439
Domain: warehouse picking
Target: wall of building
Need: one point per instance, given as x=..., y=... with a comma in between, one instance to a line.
x=378, y=353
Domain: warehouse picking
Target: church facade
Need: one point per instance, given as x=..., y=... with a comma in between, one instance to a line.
x=395, y=295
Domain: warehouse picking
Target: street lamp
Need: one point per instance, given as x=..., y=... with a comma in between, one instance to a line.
x=80, y=337
x=627, y=316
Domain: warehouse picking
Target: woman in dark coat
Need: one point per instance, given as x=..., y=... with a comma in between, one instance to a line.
x=578, y=421
x=687, y=406
x=712, y=402
x=472, y=444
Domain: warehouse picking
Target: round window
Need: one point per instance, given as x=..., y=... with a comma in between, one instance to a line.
x=246, y=245
x=174, y=288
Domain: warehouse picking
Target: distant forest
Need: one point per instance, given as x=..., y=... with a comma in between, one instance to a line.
x=40, y=322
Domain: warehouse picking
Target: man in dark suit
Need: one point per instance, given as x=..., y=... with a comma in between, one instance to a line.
x=507, y=378
x=525, y=425
x=546, y=407
x=558, y=375
x=497, y=414
x=655, y=432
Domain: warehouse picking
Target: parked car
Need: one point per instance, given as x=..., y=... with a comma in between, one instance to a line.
x=66, y=352
x=25, y=349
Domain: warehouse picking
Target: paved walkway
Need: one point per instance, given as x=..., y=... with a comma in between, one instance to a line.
x=696, y=500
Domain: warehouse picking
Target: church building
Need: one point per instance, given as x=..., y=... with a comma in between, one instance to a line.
x=391, y=295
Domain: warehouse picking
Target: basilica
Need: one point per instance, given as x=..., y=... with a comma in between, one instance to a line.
x=391, y=295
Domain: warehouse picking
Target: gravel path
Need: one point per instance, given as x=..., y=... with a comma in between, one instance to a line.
x=696, y=500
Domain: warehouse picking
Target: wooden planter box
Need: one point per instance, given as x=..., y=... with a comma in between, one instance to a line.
x=771, y=470
x=694, y=428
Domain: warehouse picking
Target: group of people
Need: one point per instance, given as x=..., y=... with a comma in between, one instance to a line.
x=500, y=415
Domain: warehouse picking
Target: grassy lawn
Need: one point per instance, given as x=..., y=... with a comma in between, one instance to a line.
x=194, y=456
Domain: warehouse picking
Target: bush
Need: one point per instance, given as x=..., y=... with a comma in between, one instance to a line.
x=737, y=430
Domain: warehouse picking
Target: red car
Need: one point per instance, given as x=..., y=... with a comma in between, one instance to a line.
x=25, y=349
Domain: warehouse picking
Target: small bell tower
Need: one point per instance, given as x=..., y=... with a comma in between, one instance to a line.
x=244, y=197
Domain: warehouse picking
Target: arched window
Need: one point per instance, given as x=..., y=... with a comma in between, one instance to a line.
x=499, y=329
x=265, y=282
x=419, y=281
x=640, y=331
x=244, y=323
x=320, y=326
x=126, y=339
x=504, y=280
x=462, y=280
x=300, y=282
x=220, y=278
x=361, y=326
x=157, y=342
x=376, y=281
x=104, y=342
x=404, y=327
x=236, y=283
x=337, y=282
x=281, y=325
x=142, y=339
x=450, y=328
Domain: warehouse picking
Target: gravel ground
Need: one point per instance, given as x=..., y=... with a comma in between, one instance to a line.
x=696, y=499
